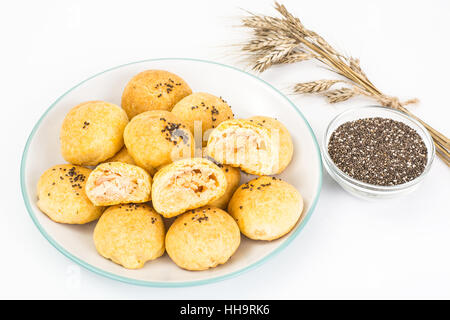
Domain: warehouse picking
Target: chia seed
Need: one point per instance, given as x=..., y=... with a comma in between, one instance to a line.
x=378, y=151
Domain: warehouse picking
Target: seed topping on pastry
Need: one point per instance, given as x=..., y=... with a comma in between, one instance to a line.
x=199, y=217
x=74, y=177
x=167, y=86
x=173, y=132
x=130, y=206
x=214, y=110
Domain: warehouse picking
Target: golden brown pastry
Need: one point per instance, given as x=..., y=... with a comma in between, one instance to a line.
x=233, y=176
x=92, y=132
x=205, y=108
x=186, y=184
x=286, y=150
x=62, y=197
x=259, y=145
x=266, y=208
x=122, y=156
x=153, y=90
x=157, y=138
x=202, y=238
x=116, y=182
x=130, y=235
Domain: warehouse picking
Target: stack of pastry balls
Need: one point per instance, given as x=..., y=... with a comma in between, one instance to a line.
x=132, y=166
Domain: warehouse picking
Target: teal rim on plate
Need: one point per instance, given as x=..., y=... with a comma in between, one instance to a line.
x=291, y=236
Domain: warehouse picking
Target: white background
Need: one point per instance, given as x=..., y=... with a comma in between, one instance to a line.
x=350, y=248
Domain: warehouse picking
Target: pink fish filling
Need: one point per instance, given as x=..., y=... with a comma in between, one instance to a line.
x=113, y=186
x=188, y=187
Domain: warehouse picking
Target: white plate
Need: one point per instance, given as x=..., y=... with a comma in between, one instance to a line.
x=247, y=95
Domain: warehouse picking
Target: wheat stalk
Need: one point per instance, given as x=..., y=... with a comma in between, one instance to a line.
x=315, y=86
x=339, y=95
x=274, y=56
x=283, y=40
x=296, y=57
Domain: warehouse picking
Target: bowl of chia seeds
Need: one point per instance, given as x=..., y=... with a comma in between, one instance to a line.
x=377, y=152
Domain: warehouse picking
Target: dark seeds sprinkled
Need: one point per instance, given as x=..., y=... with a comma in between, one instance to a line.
x=214, y=110
x=378, y=151
x=174, y=132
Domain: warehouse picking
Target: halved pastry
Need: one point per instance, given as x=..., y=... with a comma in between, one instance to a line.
x=116, y=182
x=259, y=145
x=286, y=149
x=186, y=184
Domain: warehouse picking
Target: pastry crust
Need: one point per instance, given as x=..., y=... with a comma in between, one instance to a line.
x=122, y=156
x=156, y=138
x=286, y=149
x=233, y=176
x=153, y=90
x=92, y=132
x=116, y=182
x=130, y=235
x=205, y=108
x=259, y=145
x=62, y=197
x=202, y=238
x=266, y=208
x=186, y=184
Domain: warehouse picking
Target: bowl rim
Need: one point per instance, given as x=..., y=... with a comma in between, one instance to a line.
x=290, y=237
x=372, y=187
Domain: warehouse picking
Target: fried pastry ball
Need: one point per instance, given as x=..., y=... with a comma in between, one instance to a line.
x=156, y=138
x=122, y=156
x=233, y=176
x=116, y=182
x=62, y=197
x=202, y=238
x=186, y=184
x=153, y=90
x=266, y=208
x=204, y=107
x=259, y=145
x=130, y=235
x=92, y=132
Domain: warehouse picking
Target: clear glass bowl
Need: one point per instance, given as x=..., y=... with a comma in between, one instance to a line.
x=362, y=189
